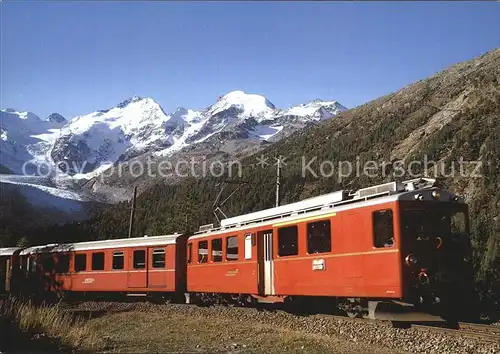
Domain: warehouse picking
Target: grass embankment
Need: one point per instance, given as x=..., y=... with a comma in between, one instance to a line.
x=119, y=327
x=38, y=321
x=144, y=327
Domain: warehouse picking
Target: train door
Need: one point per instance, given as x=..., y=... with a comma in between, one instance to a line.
x=353, y=241
x=3, y=274
x=265, y=262
x=8, y=274
x=138, y=270
x=157, y=274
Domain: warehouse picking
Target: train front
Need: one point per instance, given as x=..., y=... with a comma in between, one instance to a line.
x=436, y=253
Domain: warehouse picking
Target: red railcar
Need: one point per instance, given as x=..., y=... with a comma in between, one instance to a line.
x=395, y=242
x=400, y=243
x=133, y=265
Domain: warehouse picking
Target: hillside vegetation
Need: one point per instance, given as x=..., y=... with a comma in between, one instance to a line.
x=440, y=121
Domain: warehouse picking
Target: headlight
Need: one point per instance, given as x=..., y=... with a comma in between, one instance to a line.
x=436, y=195
x=411, y=260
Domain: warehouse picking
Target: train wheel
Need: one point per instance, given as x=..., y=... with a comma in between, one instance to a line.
x=352, y=308
x=161, y=299
x=355, y=313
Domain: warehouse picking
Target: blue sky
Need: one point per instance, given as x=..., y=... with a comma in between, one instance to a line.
x=77, y=57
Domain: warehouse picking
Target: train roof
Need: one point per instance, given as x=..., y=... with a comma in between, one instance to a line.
x=104, y=244
x=332, y=203
x=9, y=251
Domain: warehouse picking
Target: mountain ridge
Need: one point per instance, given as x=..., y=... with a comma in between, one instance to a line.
x=83, y=147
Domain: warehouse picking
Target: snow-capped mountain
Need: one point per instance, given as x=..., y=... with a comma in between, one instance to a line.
x=247, y=105
x=239, y=115
x=21, y=135
x=24, y=141
x=92, y=142
x=316, y=110
x=86, y=145
x=89, y=144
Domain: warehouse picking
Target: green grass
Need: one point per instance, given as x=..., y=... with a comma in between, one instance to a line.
x=52, y=321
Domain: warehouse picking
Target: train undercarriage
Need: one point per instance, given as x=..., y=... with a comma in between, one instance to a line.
x=375, y=309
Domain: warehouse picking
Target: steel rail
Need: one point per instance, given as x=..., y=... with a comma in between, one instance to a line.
x=479, y=327
x=488, y=337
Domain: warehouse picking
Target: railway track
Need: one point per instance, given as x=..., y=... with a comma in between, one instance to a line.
x=482, y=332
x=480, y=327
x=478, y=331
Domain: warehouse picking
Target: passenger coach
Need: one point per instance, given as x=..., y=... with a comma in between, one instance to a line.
x=134, y=265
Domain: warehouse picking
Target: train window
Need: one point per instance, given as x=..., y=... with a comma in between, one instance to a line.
x=413, y=225
x=80, y=262
x=118, y=260
x=139, y=259
x=98, y=261
x=62, y=265
x=33, y=264
x=217, y=250
x=190, y=252
x=319, y=238
x=202, y=252
x=383, y=230
x=288, y=241
x=248, y=246
x=159, y=258
x=48, y=262
x=232, y=248
x=24, y=265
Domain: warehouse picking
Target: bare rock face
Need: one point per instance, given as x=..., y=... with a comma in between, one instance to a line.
x=76, y=153
x=56, y=118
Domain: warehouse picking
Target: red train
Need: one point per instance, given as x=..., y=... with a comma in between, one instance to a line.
x=404, y=245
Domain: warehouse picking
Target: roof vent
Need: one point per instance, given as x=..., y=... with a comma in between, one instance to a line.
x=390, y=187
x=205, y=228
